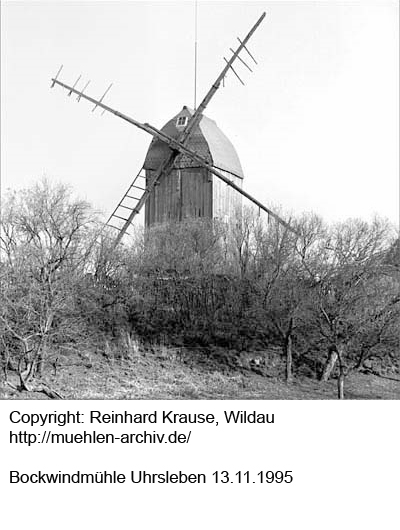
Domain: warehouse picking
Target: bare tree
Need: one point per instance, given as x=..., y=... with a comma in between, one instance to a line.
x=46, y=239
x=347, y=271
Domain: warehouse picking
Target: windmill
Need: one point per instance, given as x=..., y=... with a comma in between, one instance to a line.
x=175, y=147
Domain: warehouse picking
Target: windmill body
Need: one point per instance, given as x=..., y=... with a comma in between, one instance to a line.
x=190, y=189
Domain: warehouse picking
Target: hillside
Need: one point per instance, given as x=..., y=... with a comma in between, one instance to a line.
x=161, y=375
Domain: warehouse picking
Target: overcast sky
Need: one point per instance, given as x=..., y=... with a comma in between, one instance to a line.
x=316, y=127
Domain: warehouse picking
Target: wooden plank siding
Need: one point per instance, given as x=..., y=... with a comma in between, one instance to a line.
x=184, y=193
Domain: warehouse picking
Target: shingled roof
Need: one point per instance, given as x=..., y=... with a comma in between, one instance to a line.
x=206, y=140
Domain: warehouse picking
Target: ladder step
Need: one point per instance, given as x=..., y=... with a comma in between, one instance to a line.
x=138, y=187
x=119, y=217
x=130, y=197
x=126, y=207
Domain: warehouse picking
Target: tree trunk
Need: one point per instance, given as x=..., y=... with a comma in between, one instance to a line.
x=289, y=358
x=289, y=351
x=330, y=364
x=340, y=354
x=340, y=384
x=39, y=364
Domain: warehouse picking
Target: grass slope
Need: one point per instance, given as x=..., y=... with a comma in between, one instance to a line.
x=149, y=377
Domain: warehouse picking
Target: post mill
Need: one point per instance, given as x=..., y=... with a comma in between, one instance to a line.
x=191, y=168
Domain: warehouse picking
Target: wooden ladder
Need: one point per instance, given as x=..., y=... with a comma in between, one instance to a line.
x=129, y=202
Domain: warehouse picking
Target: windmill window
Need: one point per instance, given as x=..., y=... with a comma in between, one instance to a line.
x=181, y=121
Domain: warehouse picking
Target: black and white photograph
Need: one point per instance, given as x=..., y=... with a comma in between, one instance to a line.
x=199, y=200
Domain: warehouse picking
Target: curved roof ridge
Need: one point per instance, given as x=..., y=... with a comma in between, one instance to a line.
x=223, y=153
